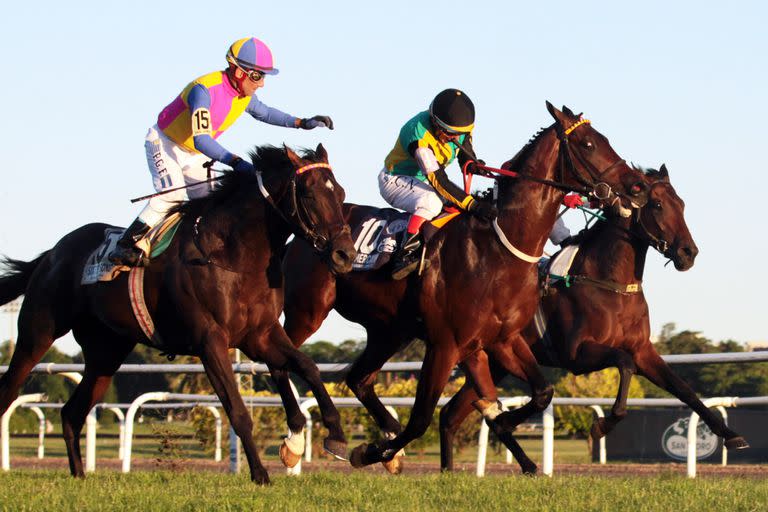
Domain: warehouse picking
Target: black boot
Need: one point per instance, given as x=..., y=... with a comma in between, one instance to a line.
x=408, y=255
x=126, y=253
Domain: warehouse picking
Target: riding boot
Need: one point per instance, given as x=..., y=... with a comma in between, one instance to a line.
x=126, y=253
x=408, y=255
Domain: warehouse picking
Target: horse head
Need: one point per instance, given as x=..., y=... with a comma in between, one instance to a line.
x=662, y=222
x=589, y=161
x=316, y=199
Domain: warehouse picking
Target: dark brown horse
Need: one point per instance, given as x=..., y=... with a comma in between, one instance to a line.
x=474, y=291
x=601, y=319
x=217, y=287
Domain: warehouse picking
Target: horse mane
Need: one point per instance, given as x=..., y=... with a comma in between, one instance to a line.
x=270, y=160
x=512, y=163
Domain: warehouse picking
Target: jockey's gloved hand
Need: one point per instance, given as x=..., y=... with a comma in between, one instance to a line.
x=240, y=165
x=316, y=121
x=483, y=210
x=573, y=200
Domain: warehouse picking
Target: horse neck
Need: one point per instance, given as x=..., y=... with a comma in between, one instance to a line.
x=612, y=253
x=252, y=223
x=528, y=210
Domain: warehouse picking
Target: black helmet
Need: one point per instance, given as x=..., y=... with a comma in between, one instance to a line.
x=453, y=111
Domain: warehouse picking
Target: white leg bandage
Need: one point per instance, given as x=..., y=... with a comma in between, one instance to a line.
x=295, y=442
x=489, y=409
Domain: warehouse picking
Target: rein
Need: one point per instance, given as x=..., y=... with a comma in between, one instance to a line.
x=319, y=242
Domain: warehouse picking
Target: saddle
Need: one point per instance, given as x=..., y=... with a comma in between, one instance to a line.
x=379, y=233
x=99, y=268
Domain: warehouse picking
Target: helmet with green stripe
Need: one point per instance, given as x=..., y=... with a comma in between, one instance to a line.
x=453, y=112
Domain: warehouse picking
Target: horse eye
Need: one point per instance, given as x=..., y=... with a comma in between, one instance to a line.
x=588, y=144
x=657, y=205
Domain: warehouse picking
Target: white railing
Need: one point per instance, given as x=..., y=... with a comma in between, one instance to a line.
x=254, y=368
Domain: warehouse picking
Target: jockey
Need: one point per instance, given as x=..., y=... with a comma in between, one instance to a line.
x=414, y=178
x=184, y=137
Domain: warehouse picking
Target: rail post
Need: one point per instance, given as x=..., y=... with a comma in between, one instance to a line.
x=159, y=396
x=5, y=422
x=600, y=414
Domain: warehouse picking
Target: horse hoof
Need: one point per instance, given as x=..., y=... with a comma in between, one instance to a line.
x=394, y=466
x=361, y=456
x=261, y=478
x=288, y=458
x=530, y=470
x=598, y=428
x=736, y=443
x=336, y=448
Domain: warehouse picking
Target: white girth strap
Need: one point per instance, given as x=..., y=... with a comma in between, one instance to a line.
x=511, y=248
x=139, y=307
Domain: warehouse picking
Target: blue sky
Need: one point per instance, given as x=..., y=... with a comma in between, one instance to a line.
x=681, y=83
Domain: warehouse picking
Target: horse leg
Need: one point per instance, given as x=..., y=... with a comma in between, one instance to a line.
x=590, y=356
x=435, y=372
x=293, y=447
x=516, y=358
x=382, y=344
x=652, y=366
x=36, y=335
x=282, y=356
x=453, y=414
x=218, y=367
x=309, y=293
x=103, y=355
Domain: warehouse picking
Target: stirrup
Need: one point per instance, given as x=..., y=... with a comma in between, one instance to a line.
x=128, y=257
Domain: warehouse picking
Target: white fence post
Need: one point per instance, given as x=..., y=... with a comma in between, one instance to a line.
x=129, y=417
x=40, y=431
x=121, y=436
x=600, y=414
x=217, y=449
x=693, y=424
x=5, y=422
x=548, y=440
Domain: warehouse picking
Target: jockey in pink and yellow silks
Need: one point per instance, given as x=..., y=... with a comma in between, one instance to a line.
x=184, y=137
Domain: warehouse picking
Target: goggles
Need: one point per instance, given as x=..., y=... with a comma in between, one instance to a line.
x=253, y=74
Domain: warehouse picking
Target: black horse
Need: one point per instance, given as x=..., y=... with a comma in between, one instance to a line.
x=601, y=319
x=218, y=286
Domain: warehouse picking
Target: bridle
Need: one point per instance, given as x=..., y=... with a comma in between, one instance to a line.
x=298, y=216
x=658, y=243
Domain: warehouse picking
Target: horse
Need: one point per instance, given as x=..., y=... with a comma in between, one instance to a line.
x=216, y=287
x=474, y=290
x=600, y=320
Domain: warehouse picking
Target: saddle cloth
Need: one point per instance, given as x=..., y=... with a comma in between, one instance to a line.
x=549, y=270
x=99, y=268
x=377, y=236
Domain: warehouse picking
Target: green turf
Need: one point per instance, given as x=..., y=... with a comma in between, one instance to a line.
x=27, y=490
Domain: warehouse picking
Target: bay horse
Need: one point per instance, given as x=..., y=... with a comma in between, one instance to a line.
x=475, y=290
x=217, y=287
x=600, y=320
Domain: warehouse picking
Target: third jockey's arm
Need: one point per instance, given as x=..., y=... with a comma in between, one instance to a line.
x=467, y=152
x=199, y=104
x=437, y=177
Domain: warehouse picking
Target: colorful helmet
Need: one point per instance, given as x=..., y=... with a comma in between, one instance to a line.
x=453, y=111
x=250, y=53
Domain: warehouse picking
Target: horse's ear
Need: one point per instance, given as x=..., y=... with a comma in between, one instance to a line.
x=292, y=156
x=566, y=110
x=321, y=153
x=559, y=116
x=663, y=173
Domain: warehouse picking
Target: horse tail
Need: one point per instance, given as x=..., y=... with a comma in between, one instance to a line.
x=13, y=283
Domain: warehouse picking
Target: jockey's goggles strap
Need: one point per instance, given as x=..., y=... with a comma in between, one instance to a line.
x=511, y=248
x=309, y=167
x=576, y=125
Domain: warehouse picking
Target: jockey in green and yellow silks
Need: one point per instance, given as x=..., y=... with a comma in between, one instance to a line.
x=414, y=178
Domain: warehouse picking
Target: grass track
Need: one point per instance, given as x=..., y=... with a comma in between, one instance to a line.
x=28, y=490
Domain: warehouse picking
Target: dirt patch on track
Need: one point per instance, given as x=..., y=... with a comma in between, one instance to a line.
x=410, y=468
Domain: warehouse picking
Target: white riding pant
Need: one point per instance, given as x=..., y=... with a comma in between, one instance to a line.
x=410, y=194
x=171, y=166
